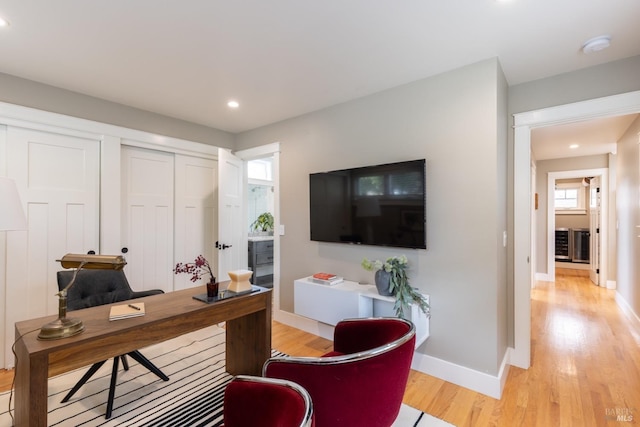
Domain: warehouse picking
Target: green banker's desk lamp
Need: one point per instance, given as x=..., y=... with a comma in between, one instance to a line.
x=63, y=326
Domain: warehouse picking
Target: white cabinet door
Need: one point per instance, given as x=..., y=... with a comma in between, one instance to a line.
x=147, y=217
x=58, y=179
x=232, y=235
x=196, y=213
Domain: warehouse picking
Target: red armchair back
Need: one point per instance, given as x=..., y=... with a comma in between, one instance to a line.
x=360, y=383
x=266, y=402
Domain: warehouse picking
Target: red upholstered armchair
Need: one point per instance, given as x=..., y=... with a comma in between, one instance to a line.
x=266, y=402
x=362, y=381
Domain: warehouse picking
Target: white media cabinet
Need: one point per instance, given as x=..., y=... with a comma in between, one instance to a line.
x=330, y=304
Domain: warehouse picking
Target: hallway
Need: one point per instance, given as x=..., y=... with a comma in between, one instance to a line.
x=585, y=357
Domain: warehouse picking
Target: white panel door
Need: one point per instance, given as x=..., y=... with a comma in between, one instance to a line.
x=147, y=217
x=232, y=235
x=196, y=214
x=594, y=229
x=58, y=178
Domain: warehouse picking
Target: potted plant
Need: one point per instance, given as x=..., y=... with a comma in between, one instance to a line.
x=392, y=280
x=263, y=223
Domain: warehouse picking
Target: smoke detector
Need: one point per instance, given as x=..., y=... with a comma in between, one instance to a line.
x=596, y=44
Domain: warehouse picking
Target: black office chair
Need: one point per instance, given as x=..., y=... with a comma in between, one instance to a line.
x=98, y=287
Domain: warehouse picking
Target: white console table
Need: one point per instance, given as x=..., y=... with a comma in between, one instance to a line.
x=330, y=304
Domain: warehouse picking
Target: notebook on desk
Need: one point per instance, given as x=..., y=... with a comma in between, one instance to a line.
x=125, y=311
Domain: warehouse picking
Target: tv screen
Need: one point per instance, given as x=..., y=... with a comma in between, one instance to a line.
x=382, y=205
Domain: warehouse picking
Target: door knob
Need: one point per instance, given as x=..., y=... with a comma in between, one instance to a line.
x=222, y=246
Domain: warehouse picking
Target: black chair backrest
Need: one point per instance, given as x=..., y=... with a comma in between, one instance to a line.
x=95, y=287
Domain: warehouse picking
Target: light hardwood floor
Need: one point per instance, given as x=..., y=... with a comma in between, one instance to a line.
x=585, y=365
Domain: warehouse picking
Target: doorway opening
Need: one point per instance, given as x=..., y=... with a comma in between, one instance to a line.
x=628, y=103
x=590, y=226
x=260, y=221
x=265, y=199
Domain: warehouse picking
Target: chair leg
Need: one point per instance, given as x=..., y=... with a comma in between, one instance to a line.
x=138, y=357
x=92, y=370
x=125, y=363
x=112, y=387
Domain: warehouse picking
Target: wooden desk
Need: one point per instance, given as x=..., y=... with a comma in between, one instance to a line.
x=248, y=340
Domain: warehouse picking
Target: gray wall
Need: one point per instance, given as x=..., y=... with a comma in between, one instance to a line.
x=543, y=168
x=628, y=195
x=27, y=93
x=457, y=122
x=589, y=83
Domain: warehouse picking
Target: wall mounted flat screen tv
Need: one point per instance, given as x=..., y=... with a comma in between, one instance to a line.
x=382, y=205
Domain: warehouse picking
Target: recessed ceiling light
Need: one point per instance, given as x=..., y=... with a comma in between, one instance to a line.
x=596, y=44
x=3, y=22
x=574, y=146
x=233, y=104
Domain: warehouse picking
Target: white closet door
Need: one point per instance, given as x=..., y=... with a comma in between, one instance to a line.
x=58, y=179
x=147, y=217
x=196, y=214
x=232, y=233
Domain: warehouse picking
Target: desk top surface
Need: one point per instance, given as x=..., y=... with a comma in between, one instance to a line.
x=161, y=310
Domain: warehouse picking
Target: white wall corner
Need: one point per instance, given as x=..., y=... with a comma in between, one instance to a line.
x=612, y=284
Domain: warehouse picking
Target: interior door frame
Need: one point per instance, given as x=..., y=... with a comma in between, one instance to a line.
x=603, y=173
x=270, y=150
x=627, y=103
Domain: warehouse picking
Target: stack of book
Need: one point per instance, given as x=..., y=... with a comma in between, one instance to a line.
x=326, y=279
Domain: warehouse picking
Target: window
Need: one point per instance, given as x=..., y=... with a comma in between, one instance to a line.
x=569, y=199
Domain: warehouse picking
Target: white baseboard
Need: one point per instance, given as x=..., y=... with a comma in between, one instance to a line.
x=573, y=265
x=480, y=382
x=543, y=277
x=308, y=325
x=460, y=375
x=628, y=311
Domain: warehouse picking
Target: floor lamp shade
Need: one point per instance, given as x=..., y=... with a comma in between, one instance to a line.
x=11, y=213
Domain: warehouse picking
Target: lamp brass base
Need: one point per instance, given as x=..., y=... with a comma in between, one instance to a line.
x=62, y=327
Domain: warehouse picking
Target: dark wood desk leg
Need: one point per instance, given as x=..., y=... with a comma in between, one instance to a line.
x=248, y=342
x=30, y=389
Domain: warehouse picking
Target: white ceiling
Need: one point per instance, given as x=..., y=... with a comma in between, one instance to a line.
x=284, y=58
x=597, y=136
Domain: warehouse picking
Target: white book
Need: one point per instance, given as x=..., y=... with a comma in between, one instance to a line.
x=330, y=282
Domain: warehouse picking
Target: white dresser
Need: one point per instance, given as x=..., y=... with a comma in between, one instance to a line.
x=330, y=304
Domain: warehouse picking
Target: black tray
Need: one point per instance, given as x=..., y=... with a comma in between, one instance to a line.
x=225, y=295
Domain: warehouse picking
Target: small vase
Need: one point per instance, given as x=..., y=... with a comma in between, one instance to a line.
x=212, y=289
x=383, y=283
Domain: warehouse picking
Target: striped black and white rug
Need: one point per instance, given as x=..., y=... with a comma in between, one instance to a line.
x=193, y=396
